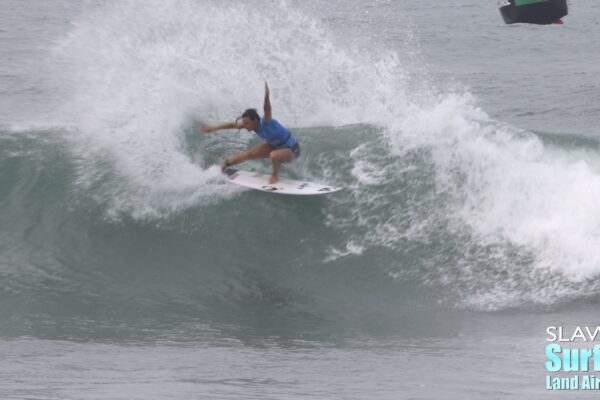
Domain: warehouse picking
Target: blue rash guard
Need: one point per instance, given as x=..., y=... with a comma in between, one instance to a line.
x=275, y=134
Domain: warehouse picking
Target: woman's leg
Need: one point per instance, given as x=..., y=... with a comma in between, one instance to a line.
x=278, y=157
x=259, y=151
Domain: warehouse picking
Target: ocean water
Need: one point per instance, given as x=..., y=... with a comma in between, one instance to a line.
x=130, y=269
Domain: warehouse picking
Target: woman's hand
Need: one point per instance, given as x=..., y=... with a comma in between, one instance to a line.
x=205, y=128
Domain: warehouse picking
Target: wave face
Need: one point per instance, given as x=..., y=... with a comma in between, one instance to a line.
x=112, y=209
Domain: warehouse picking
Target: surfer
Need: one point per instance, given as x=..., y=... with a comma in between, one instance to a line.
x=280, y=146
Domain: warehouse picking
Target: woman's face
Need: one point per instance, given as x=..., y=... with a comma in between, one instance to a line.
x=249, y=124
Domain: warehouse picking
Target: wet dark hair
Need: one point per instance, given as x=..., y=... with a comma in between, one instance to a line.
x=252, y=114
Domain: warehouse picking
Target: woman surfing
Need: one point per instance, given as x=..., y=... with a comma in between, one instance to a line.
x=279, y=144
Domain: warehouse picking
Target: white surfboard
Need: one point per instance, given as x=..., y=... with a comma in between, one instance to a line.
x=258, y=181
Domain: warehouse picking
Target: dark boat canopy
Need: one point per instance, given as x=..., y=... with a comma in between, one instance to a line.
x=541, y=12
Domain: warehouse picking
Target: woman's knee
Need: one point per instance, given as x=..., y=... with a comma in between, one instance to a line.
x=281, y=155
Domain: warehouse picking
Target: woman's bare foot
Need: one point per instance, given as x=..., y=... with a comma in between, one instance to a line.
x=273, y=179
x=224, y=165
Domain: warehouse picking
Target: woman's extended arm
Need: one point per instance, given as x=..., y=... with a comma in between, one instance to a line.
x=205, y=128
x=267, y=106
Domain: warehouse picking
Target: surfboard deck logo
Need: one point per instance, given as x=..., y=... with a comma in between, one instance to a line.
x=258, y=181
